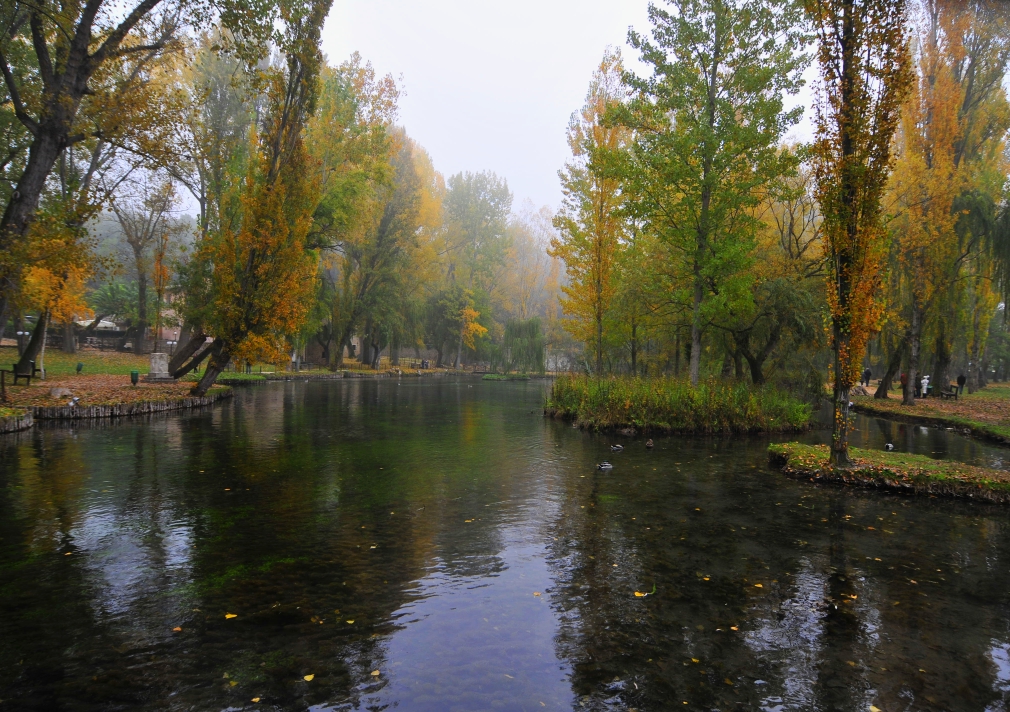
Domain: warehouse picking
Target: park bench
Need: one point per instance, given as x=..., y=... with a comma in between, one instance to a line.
x=28, y=373
x=949, y=392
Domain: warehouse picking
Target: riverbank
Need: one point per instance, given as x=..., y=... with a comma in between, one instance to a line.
x=667, y=405
x=985, y=413
x=897, y=472
x=104, y=396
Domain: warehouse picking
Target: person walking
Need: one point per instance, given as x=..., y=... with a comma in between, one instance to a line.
x=904, y=383
x=866, y=377
x=925, y=386
x=961, y=380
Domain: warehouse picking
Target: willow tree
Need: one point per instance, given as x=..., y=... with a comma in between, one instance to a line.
x=865, y=75
x=708, y=124
x=263, y=274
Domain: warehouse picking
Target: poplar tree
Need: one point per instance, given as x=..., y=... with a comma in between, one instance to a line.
x=865, y=77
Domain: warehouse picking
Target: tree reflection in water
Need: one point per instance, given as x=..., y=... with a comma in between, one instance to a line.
x=430, y=514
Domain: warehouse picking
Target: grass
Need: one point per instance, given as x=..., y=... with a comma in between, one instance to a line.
x=95, y=362
x=674, y=405
x=505, y=377
x=894, y=471
x=6, y=412
x=986, y=413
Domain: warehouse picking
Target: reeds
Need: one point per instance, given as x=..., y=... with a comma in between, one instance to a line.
x=674, y=405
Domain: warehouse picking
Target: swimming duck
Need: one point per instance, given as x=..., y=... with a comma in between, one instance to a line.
x=889, y=446
x=604, y=466
x=616, y=448
x=649, y=444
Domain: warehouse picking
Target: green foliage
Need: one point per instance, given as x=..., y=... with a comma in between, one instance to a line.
x=524, y=345
x=674, y=405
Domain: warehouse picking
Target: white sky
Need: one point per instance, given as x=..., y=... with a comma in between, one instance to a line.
x=490, y=85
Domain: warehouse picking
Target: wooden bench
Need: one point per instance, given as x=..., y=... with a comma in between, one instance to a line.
x=27, y=374
x=948, y=392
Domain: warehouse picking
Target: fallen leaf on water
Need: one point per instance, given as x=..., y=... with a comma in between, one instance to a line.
x=177, y=629
x=350, y=622
x=231, y=615
x=912, y=581
x=757, y=585
x=695, y=660
x=874, y=708
x=371, y=547
x=639, y=594
x=256, y=699
x=68, y=553
x=309, y=678
x=375, y=673
x=509, y=676
x=733, y=627
x=233, y=683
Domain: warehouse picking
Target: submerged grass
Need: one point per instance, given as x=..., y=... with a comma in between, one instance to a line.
x=675, y=406
x=898, y=471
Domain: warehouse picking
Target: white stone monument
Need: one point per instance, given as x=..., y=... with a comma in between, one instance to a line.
x=159, y=369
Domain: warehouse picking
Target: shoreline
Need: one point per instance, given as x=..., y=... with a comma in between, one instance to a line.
x=866, y=406
x=899, y=473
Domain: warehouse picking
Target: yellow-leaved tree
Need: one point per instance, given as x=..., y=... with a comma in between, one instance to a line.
x=263, y=275
x=589, y=223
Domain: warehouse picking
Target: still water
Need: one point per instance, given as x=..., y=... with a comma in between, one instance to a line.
x=441, y=546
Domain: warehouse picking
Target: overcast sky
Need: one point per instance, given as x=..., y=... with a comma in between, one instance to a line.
x=489, y=85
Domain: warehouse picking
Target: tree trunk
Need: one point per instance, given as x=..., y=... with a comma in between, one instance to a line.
x=218, y=362
x=139, y=343
x=183, y=354
x=914, y=349
x=892, y=368
x=840, y=429
x=941, y=371
x=973, y=354
x=34, y=347
x=69, y=338
x=695, y=367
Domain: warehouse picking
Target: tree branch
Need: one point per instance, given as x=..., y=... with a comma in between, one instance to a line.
x=12, y=89
x=41, y=50
x=116, y=37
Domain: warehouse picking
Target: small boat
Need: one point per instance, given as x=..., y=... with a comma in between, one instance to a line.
x=604, y=466
x=649, y=444
x=616, y=448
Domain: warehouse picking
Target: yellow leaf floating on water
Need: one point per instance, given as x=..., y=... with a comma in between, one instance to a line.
x=639, y=594
x=874, y=708
x=695, y=660
x=309, y=678
x=177, y=629
x=757, y=585
x=733, y=627
x=536, y=593
x=231, y=615
x=350, y=622
x=233, y=683
x=375, y=673
x=256, y=699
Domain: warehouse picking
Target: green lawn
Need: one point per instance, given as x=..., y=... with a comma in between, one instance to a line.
x=894, y=470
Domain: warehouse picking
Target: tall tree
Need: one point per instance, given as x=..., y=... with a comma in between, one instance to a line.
x=263, y=275
x=590, y=223
x=865, y=76
x=708, y=124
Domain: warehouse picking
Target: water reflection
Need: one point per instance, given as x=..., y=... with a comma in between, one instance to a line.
x=407, y=528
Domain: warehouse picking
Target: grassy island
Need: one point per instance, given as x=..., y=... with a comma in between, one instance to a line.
x=899, y=472
x=985, y=413
x=669, y=405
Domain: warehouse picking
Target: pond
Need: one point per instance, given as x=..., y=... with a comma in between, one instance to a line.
x=442, y=546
